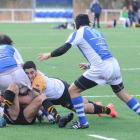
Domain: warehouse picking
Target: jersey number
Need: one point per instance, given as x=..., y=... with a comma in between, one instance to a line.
x=95, y=33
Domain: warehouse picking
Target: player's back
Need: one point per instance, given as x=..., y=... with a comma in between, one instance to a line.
x=92, y=44
x=54, y=87
x=7, y=58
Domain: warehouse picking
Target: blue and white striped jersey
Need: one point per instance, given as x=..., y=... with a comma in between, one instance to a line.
x=91, y=43
x=9, y=58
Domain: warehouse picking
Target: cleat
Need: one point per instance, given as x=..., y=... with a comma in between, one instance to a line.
x=64, y=120
x=100, y=104
x=40, y=117
x=77, y=125
x=113, y=113
x=2, y=122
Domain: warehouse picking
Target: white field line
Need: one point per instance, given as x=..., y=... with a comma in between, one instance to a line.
x=132, y=69
x=101, y=137
x=105, y=96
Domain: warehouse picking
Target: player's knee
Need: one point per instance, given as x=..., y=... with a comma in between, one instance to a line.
x=73, y=89
x=70, y=89
x=42, y=97
x=14, y=88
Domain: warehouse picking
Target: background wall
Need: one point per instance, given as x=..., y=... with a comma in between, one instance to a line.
x=16, y=4
x=80, y=6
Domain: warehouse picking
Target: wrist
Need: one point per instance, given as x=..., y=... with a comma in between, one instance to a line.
x=50, y=55
x=88, y=65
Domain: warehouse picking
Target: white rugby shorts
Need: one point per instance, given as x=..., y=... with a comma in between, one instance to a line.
x=107, y=73
x=17, y=76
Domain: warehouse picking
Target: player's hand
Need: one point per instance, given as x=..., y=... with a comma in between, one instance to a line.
x=83, y=66
x=43, y=56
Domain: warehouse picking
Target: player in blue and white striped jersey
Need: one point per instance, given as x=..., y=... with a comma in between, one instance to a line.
x=11, y=66
x=103, y=68
x=11, y=72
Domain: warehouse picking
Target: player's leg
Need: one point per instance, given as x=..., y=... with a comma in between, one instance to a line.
x=99, y=109
x=62, y=121
x=41, y=100
x=75, y=90
x=89, y=107
x=32, y=109
x=131, y=102
x=118, y=88
x=93, y=108
x=14, y=109
x=11, y=105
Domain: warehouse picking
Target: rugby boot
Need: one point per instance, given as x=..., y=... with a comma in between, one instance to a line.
x=113, y=113
x=65, y=119
x=77, y=125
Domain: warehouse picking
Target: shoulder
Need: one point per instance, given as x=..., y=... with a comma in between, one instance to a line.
x=11, y=47
x=39, y=81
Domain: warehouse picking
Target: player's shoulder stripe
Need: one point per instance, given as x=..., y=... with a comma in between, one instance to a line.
x=73, y=36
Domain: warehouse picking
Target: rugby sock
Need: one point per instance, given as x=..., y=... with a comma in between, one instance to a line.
x=45, y=112
x=8, y=101
x=105, y=110
x=79, y=107
x=49, y=107
x=134, y=105
x=100, y=109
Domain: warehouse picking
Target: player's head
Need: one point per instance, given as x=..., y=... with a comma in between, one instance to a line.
x=30, y=69
x=5, y=39
x=81, y=20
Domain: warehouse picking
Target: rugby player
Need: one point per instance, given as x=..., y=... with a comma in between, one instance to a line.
x=11, y=70
x=15, y=114
x=56, y=90
x=103, y=68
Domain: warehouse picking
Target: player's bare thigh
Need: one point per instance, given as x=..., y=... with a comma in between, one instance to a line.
x=32, y=109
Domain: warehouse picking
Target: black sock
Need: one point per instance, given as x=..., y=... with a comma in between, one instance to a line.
x=100, y=109
x=106, y=110
x=8, y=101
x=49, y=107
x=97, y=109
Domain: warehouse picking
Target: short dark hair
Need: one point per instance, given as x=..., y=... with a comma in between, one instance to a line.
x=81, y=20
x=29, y=65
x=5, y=39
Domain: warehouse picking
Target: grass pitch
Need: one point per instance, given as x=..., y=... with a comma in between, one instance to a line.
x=124, y=44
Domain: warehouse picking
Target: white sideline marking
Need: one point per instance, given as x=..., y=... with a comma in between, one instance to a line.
x=101, y=137
x=105, y=96
x=132, y=69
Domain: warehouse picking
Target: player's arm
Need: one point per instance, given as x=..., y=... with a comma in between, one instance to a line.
x=32, y=94
x=58, y=52
x=29, y=96
x=25, y=100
